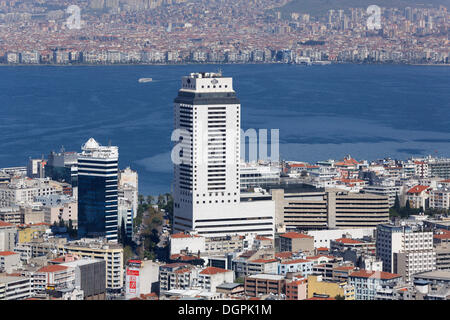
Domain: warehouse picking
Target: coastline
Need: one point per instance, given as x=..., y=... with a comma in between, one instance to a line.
x=207, y=63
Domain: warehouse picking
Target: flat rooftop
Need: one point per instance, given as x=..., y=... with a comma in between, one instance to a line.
x=229, y=285
x=266, y=276
x=9, y=279
x=435, y=274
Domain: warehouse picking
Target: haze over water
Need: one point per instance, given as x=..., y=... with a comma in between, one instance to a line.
x=322, y=112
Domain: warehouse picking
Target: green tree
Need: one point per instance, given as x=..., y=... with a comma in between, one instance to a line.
x=140, y=199
x=339, y=297
x=239, y=280
x=397, y=203
x=127, y=254
x=150, y=200
x=123, y=233
x=160, y=201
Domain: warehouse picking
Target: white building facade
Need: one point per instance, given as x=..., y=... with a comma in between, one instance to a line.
x=207, y=160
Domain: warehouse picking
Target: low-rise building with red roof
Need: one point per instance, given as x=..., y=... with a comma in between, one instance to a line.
x=295, y=242
x=366, y=282
x=211, y=277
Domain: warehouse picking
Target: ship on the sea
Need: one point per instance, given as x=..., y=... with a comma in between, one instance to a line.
x=143, y=80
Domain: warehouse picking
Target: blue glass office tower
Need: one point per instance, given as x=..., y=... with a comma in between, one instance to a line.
x=97, y=191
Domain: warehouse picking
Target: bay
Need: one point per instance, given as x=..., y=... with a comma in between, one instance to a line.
x=322, y=112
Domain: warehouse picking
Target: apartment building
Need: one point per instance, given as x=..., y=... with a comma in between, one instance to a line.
x=112, y=253
x=301, y=266
x=297, y=289
x=439, y=199
x=387, y=189
x=330, y=209
x=367, y=282
x=15, y=288
x=24, y=190
x=8, y=233
x=418, y=196
x=211, y=277
x=405, y=250
x=9, y=260
x=177, y=276
x=295, y=241
x=53, y=277
x=261, y=284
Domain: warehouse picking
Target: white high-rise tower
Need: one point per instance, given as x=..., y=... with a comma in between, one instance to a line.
x=207, y=159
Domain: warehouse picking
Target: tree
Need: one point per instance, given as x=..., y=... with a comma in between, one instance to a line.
x=141, y=199
x=339, y=297
x=150, y=200
x=397, y=202
x=407, y=205
x=127, y=254
x=161, y=200
x=123, y=233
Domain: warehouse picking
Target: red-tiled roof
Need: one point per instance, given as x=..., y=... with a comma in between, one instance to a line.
x=213, y=270
x=347, y=240
x=320, y=256
x=264, y=260
x=182, y=257
x=323, y=249
x=294, y=261
x=295, y=235
x=283, y=254
x=182, y=270
x=418, y=189
x=344, y=268
x=263, y=238
x=5, y=224
x=445, y=235
x=53, y=268
x=180, y=235
x=174, y=265
x=374, y=274
x=59, y=260
x=14, y=274
x=7, y=253
x=320, y=298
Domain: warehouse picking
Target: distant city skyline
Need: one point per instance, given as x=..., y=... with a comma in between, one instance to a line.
x=182, y=31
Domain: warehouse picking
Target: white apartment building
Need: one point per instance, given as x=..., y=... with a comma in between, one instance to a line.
x=15, y=288
x=255, y=175
x=405, y=250
x=128, y=187
x=24, y=190
x=210, y=277
x=388, y=188
x=8, y=261
x=8, y=234
x=323, y=238
x=207, y=162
